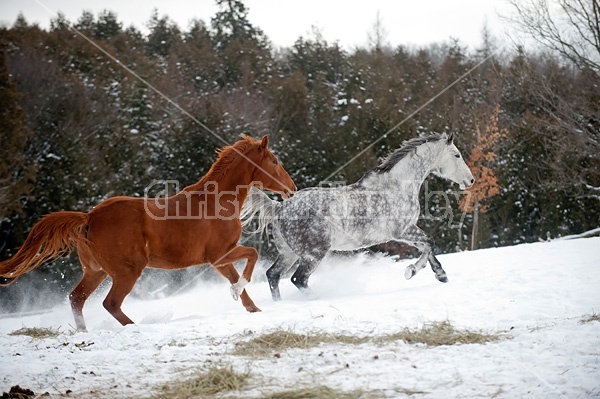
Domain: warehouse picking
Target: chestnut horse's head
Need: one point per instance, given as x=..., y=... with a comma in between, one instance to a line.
x=270, y=174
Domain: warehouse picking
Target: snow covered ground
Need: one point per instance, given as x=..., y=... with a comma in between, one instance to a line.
x=535, y=295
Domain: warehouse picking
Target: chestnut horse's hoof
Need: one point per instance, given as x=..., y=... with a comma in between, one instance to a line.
x=238, y=288
x=234, y=293
x=253, y=309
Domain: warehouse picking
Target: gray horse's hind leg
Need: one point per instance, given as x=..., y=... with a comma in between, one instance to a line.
x=416, y=237
x=284, y=262
x=281, y=265
x=306, y=267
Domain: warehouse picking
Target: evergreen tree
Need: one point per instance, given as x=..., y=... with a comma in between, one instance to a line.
x=242, y=48
x=16, y=175
x=20, y=22
x=107, y=25
x=86, y=24
x=164, y=34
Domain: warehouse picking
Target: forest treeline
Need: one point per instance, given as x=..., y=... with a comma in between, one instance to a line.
x=76, y=127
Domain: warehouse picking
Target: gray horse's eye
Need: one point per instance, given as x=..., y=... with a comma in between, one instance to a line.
x=457, y=155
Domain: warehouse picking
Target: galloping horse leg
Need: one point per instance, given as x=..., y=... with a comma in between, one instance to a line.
x=89, y=282
x=235, y=254
x=283, y=263
x=416, y=237
x=122, y=284
x=229, y=272
x=92, y=277
x=436, y=266
x=306, y=267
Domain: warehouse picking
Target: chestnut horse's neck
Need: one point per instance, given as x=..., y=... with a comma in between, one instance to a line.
x=231, y=173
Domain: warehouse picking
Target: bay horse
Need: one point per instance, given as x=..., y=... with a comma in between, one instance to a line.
x=123, y=235
x=382, y=206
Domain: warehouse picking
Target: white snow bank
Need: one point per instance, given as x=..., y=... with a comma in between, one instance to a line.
x=536, y=294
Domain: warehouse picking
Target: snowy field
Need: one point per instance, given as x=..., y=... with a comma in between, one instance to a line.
x=535, y=296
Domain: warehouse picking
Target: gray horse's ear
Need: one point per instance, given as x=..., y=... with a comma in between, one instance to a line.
x=450, y=139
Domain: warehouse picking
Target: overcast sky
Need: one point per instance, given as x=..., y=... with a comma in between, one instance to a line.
x=407, y=22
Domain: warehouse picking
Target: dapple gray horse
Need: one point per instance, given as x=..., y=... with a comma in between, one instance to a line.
x=382, y=206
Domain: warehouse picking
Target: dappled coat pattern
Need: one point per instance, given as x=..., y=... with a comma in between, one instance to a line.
x=382, y=206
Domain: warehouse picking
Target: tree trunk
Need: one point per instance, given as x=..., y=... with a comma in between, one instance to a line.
x=475, y=231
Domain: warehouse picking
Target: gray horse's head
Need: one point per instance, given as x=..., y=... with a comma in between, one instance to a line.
x=451, y=165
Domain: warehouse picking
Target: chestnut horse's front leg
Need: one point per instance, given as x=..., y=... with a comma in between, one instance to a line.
x=237, y=253
x=229, y=272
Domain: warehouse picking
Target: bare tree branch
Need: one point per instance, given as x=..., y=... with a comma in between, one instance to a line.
x=569, y=27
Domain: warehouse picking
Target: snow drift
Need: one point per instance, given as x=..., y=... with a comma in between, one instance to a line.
x=535, y=295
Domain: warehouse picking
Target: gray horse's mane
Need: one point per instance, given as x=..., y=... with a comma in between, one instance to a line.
x=407, y=146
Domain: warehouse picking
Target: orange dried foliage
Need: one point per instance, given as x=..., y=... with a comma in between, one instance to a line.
x=486, y=183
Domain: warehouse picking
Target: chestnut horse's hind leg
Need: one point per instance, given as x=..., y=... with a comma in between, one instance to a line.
x=89, y=282
x=122, y=285
x=228, y=270
x=235, y=254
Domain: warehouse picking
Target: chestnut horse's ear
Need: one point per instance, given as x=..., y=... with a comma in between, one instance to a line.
x=264, y=142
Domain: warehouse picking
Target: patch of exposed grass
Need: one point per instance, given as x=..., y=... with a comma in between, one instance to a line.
x=441, y=333
x=589, y=318
x=318, y=392
x=36, y=332
x=205, y=384
x=432, y=334
x=279, y=340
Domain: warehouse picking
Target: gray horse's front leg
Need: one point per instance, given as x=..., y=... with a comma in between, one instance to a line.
x=436, y=266
x=411, y=270
x=417, y=238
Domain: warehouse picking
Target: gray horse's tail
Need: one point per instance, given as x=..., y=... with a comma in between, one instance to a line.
x=259, y=206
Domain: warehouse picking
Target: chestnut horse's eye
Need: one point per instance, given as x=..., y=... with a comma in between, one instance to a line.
x=274, y=162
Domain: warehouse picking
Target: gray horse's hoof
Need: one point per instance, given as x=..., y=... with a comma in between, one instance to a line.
x=410, y=272
x=442, y=278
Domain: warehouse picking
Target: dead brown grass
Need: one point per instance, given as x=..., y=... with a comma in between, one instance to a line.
x=441, y=333
x=431, y=334
x=36, y=332
x=205, y=384
x=318, y=392
x=590, y=318
x=279, y=340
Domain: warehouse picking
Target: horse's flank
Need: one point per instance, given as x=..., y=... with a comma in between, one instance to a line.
x=123, y=235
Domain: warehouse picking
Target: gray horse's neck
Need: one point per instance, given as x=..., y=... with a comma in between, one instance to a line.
x=409, y=171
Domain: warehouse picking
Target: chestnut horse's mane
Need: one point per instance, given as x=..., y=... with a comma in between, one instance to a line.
x=227, y=155
x=122, y=236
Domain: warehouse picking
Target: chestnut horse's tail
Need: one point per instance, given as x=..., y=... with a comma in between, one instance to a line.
x=53, y=236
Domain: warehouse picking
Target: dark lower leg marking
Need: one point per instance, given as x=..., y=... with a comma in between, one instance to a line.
x=436, y=266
